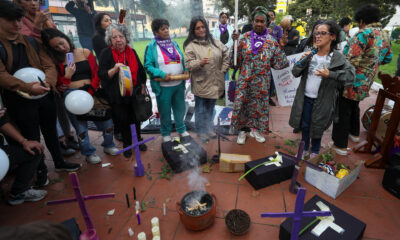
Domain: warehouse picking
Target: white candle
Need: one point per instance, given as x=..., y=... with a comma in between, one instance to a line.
x=130, y=231
x=141, y=236
x=156, y=238
x=155, y=222
x=155, y=231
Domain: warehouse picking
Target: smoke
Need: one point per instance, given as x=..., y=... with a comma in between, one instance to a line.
x=196, y=181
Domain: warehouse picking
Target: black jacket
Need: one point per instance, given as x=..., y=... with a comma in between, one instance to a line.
x=99, y=43
x=111, y=85
x=292, y=43
x=84, y=20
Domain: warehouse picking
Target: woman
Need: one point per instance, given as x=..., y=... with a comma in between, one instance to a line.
x=101, y=22
x=119, y=54
x=223, y=33
x=308, y=43
x=82, y=72
x=322, y=76
x=207, y=60
x=257, y=53
x=164, y=58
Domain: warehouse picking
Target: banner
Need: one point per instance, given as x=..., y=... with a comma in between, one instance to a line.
x=285, y=83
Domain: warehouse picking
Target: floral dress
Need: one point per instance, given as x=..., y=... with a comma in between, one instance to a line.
x=251, y=107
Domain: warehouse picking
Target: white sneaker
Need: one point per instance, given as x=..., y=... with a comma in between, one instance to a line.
x=353, y=138
x=166, y=138
x=111, y=150
x=30, y=195
x=259, y=138
x=93, y=159
x=312, y=155
x=185, y=134
x=341, y=151
x=241, y=139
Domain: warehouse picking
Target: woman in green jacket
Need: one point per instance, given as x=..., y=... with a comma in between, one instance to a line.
x=163, y=59
x=322, y=76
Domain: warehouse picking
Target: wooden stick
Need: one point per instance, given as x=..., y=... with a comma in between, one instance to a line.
x=174, y=78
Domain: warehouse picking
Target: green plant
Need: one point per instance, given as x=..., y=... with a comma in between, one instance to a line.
x=327, y=157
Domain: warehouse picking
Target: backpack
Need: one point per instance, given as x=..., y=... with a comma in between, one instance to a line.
x=3, y=52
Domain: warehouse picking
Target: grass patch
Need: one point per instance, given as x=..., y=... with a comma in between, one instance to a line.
x=391, y=67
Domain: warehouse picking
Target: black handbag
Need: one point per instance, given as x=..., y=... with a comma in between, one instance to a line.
x=101, y=110
x=143, y=107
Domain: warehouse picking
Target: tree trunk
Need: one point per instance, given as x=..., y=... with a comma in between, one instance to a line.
x=196, y=7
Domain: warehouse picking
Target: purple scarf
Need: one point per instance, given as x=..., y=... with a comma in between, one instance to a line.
x=167, y=47
x=257, y=40
x=222, y=28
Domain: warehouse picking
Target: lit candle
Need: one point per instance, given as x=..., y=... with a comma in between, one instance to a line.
x=138, y=217
x=164, y=209
x=155, y=231
x=155, y=222
x=141, y=236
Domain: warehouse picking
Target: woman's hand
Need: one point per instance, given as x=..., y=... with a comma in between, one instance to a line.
x=2, y=111
x=283, y=40
x=29, y=146
x=70, y=70
x=305, y=54
x=204, y=61
x=143, y=89
x=117, y=66
x=40, y=18
x=62, y=87
x=235, y=35
x=322, y=73
x=167, y=77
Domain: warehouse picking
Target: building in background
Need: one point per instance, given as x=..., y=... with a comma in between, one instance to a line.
x=282, y=6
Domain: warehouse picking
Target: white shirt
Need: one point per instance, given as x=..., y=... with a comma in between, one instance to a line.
x=314, y=81
x=171, y=68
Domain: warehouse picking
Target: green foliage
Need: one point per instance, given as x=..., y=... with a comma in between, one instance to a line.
x=396, y=34
x=154, y=8
x=327, y=157
x=391, y=67
x=246, y=6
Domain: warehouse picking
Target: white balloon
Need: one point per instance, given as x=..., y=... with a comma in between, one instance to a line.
x=4, y=164
x=79, y=102
x=28, y=75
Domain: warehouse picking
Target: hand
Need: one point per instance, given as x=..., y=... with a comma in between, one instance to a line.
x=2, y=111
x=167, y=77
x=323, y=73
x=235, y=36
x=305, y=54
x=38, y=89
x=117, y=66
x=204, y=61
x=40, y=18
x=143, y=89
x=70, y=70
x=62, y=87
x=29, y=146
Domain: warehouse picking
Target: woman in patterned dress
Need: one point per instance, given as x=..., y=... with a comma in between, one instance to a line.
x=258, y=52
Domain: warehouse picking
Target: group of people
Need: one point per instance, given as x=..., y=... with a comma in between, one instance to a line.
x=332, y=83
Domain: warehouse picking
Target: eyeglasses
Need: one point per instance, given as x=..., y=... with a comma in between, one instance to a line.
x=323, y=33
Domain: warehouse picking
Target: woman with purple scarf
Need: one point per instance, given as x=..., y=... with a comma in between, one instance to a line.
x=257, y=52
x=163, y=59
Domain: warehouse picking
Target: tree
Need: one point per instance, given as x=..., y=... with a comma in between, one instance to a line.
x=246, y=6
x=154, y=8
x=178, y=20
x=196, y=7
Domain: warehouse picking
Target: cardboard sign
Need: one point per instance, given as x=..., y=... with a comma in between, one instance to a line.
x=285, y=83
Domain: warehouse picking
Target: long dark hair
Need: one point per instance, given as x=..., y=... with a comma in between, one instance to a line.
x=334, y=29
x=97, y=22
x=50, y=33
x=310, y=40
x=192, y=35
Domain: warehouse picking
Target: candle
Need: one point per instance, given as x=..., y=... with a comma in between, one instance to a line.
x=130, y=231
x=155, y=231
x=141, y=236
x=164, y=209
x=134, y=193
x=138, y=217
x=127, y=200
x=156, y=238
x=154, y=222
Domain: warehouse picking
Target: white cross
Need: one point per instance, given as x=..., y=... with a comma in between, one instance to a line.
x=326, y=222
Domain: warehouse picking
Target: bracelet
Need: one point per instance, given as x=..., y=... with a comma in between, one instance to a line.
x=23, y=141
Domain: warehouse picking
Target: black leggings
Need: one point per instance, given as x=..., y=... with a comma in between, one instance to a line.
x=124, y=117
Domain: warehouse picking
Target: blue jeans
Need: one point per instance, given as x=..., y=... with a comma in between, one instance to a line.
x=203, y=114
x=227, y=76
x=81, y=129
x=306, y=124
x=86, y=41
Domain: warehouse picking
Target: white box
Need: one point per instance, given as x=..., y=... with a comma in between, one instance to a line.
x=330, y=185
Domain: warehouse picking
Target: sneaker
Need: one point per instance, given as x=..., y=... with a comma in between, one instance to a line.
x=185, y=134
x=166, y=138
x=72, y=143
x=312, y=155
x=65, y=150
x=212, y=134
x=67, y=166
x=271, y=102
x=142, y=147
x=41, y=179
x=93, y=159
x=203, y=137
x=241, y=139
x=30, y=195
x=340, y=151
x=353, y=138
x=259, y=138
x=111, y=150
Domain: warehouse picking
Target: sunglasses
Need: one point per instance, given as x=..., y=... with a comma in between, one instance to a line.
x=323, y=33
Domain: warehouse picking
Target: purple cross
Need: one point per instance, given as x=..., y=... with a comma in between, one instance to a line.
x=298, y=213
x=138, y=166
x=90, y=233
x=294, y=185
